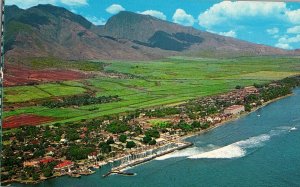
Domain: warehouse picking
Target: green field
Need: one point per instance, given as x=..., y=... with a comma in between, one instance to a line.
x=155, y=83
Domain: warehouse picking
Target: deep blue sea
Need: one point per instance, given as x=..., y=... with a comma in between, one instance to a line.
x=260, y=149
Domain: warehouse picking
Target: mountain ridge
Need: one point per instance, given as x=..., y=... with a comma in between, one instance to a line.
x=47, y=30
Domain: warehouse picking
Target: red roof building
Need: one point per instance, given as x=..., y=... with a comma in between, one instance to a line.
x=46, y=160
x=63, y=164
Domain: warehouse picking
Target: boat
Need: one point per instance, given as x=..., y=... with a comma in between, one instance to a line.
x=293, y=129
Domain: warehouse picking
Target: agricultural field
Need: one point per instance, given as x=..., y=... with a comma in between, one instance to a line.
x=145, y=84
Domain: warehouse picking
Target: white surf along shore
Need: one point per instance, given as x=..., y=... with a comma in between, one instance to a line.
x=235, y=150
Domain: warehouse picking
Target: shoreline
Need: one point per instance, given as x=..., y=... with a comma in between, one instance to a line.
x=181, y=139
x=233, y=118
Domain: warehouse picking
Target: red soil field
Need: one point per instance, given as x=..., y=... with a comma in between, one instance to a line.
x=25, y=120
x=14, y=76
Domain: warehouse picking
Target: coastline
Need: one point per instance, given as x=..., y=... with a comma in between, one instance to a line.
x=233, y=118
x=180, y=139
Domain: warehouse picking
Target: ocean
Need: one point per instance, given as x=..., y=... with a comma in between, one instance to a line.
x=259, y=149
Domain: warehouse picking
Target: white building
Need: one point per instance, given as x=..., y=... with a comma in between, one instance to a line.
x=234, y=109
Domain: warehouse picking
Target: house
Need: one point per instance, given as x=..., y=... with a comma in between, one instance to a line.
x=46, y=160
x=251, y=90
x=234, y=109
x=33, y=163
x=63, y=165
x=92, y=156
x=63, y=140
x=209, y=119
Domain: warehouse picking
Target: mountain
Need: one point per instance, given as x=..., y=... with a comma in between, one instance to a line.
x=46, y=30
x=50, y=31
x=153, y=32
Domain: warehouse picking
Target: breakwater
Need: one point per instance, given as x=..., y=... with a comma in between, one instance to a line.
x=145, y=156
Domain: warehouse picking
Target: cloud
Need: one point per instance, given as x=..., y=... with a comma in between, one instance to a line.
x=30, y=3
x=283, y=46
x=114, y=9
x=227, y=11
x=285, y=41
x=181, y=17
x=294, y=30
x=154, y=13
x=293, y=16
x=288, y=40
x=272, y=31
x=74, y=2
x=230, y=33
x=95, y=20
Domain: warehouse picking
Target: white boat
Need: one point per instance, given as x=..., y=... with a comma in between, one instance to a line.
x=293, y=129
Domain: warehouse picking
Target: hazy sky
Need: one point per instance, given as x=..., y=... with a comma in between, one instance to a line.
x=271, y=23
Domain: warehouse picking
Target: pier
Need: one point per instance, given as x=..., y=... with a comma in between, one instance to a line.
x=136, y=159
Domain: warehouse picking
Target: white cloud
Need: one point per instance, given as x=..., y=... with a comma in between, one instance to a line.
x=285, y=41
x=30, y=3
x=154, y=13
x=273, y=31
x=74, y=2
x=181, y=17
x=293, y=16
x=288, y=40
x=95, y=20
x=294, y=30
x=230, y=33
x=233, y=11
x=114, y=9
x=283, y=46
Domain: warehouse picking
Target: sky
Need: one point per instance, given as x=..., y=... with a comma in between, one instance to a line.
x=270, y=23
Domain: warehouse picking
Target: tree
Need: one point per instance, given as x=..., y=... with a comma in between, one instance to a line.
x=147, y=139
x=238, y=87
x=72, y=135
x=247, y=107
x=105, y=148
x=110, y=140
x=196, y=124
x=184, y=126
x=35, y=176
x=48, y=172
x=152, y=133
x=152, y=142
x=117, y=127
x=76, y=152
x=130, y=144
x=204, y=126
x=258, y=85
x=123, y=138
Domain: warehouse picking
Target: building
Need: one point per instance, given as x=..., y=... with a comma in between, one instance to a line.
x=251, y=90
x=47, y=160
x=33, y=163
x=234, y=109
x=63, y=165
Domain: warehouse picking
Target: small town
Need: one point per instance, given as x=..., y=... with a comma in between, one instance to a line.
x=32, y=154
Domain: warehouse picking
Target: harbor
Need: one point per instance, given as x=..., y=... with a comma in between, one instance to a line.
x=139, y=158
